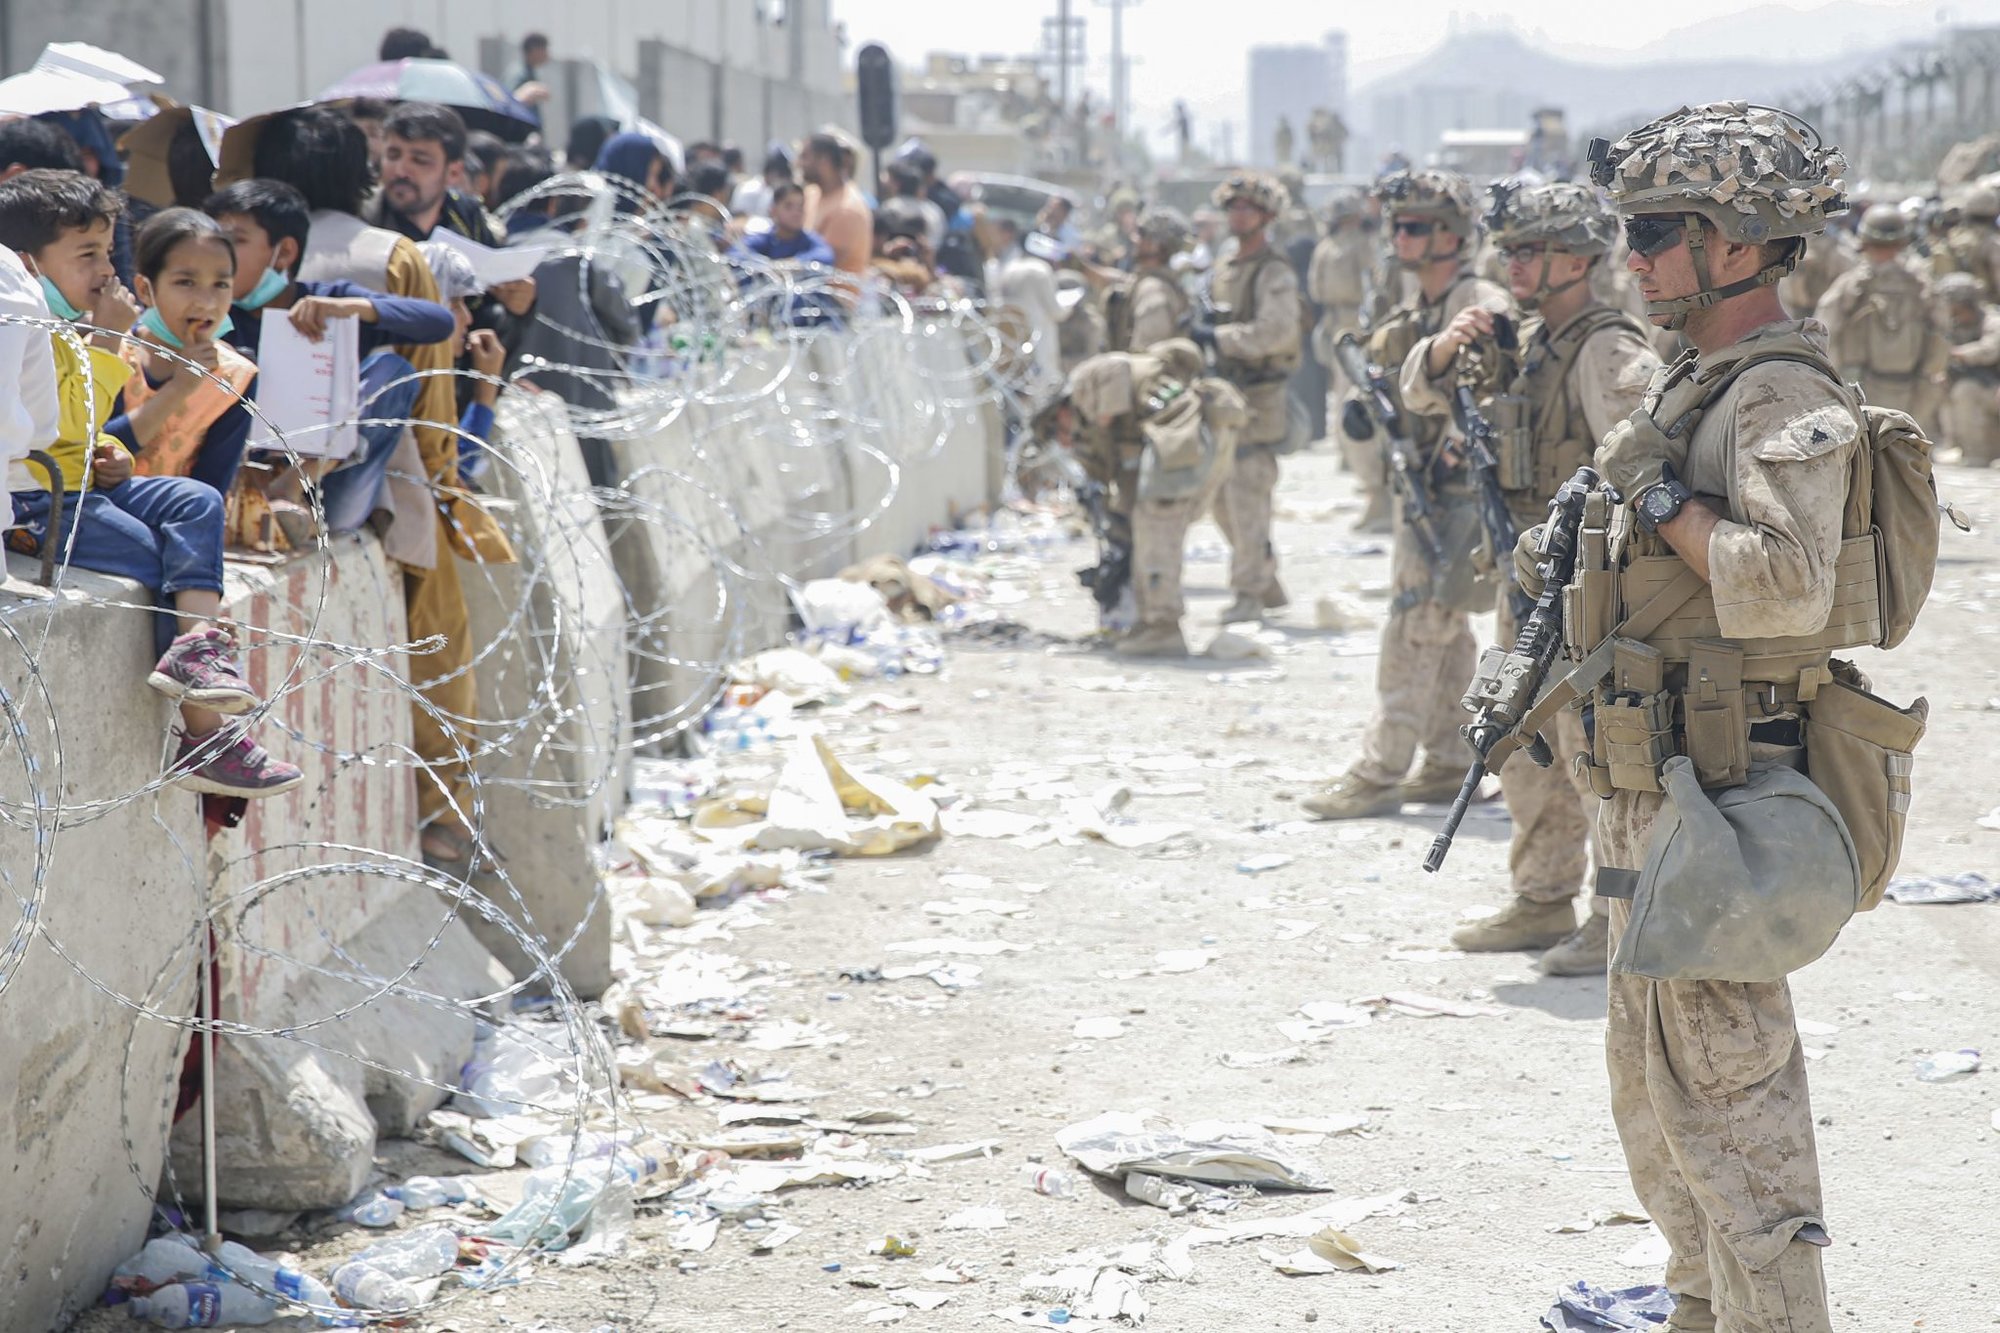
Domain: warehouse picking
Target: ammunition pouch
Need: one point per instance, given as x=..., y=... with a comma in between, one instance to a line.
x=1514, y=442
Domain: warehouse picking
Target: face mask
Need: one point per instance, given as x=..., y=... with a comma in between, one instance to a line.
x=268, y=289
x=153, y=324
x=59, y=305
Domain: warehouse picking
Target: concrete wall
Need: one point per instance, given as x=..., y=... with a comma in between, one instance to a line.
x=320, y=902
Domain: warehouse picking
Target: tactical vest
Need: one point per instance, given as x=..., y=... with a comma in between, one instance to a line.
x=1892, y=328
x=1676, y=685
x=1390, y=343
x=1544, y=434
x=1121, y=305
x=1235, y=290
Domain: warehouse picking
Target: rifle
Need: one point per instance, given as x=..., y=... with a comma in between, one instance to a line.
x=1377, y=406
x=1510, y=683
x=1108, y=578
x=1484, y=464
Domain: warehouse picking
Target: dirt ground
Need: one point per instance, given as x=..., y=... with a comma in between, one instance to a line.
x=1494, y=1128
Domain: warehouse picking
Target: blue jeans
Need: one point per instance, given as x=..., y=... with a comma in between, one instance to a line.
x=389, y=391
x=163, y=532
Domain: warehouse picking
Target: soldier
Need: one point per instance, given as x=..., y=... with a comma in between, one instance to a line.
x=1252, y=328
x=1972, y=245
x=1972, y=398
x=1427, y=646
x=1583, y=368
x=1150, y=306
x=1162, y=435
x=1883, y=323
x=1826, y=257
x=1337, y=279
x=1112, y=240
x=1708, y=1081
x=1296, y=236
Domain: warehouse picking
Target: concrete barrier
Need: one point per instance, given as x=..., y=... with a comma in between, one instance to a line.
x=330, y=935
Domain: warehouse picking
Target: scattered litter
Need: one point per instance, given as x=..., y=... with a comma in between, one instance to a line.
x=894, y=1247
x=822, y=804
x=1330, y=1250
x=787, y=1035
x=952, y=1272
x=1582, y=1308
x=1177, y=1257
x=988, y=1218
x=980, y=823
x=954, y=1152
x=953, y=977
x=1600, y=1217
x=1114, y=685
x=1217, y=1152
x=1930, y=890
x=800, y=675
x=950, y=945
x=1258, y=864
x=1429, y=1006
x=695, y=1235
x=1425, y=956
x=1089, y=1290
x=965, y=881
x=1164, y=763
x=774, y=1237
x=1289, y=1055
x=1948, y=1066
x=1323, y=1018
x=1049, y=1181
x=1294, y=930
x=1342, y=613
x=1652, y=1250
x=1231, y=646
x=1099, y=1029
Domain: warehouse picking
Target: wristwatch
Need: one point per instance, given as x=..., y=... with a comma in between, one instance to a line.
x=1662, y=501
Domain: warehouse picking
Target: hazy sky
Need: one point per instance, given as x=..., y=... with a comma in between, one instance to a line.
x=1185, y=50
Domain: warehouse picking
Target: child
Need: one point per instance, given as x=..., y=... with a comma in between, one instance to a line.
x=164, y=532
x=458, y=284
x=268, y=221
x=177, y=423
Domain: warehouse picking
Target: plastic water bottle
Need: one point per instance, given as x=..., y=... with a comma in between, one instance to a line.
x=1047, y=1180
x=377, y=1210
x=430, y=1191
x=413, y=1255
x=165, y=1259
x=368, y=1288
x=270, y=1275
x=203, y=1305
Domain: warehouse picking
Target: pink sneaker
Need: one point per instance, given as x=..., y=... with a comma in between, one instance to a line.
x=200, y=668
x=229, y=763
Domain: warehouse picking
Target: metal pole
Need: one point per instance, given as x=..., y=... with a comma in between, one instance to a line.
x=211, y=1235
x=1062, y=55
x=1118, y=81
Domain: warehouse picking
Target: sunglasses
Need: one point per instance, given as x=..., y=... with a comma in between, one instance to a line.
x=1653, y=236
x=1414, y=227
x=1520, y=254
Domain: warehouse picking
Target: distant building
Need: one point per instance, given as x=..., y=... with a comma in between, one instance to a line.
x=1289, y=82
x=1414, y=117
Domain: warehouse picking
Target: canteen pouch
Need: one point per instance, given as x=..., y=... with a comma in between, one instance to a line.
x=1634, y=720
x=1714, y=712
x=1860, y=750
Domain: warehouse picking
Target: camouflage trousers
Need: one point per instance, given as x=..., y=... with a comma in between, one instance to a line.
x=1427, y=661
x=1552, y=808
x=1972, y=420
x=1708, y=1089
x=1371, y=470
x=1243, y=512
x=1159, y=546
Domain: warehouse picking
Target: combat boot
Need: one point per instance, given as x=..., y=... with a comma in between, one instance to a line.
x=1153, y=641
x=1522, y=924
x=1433, y=785
x=1351, y=797
x=1585, y=952
x=1274, y=596
x=1242, y=609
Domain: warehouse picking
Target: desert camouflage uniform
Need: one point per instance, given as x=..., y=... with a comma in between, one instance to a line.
x=1972, y=245
x=1708, y=1082
x=1338, y=282
x=1972, y=401
x=1883, y=323
x=1265, y=286
x=1827, y=256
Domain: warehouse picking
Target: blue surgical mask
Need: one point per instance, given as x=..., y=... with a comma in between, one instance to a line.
x=153, y=324
x=268, y=289
x=59, y=305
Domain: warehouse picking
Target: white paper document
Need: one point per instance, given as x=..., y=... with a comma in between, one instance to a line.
x=308, y=391
x=493, y=266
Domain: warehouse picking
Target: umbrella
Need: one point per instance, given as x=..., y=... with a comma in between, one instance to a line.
x=69, y=76
x=477, y=97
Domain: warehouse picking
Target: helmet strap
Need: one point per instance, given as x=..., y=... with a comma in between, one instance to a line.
x=1704, y=296
x=1544, y=289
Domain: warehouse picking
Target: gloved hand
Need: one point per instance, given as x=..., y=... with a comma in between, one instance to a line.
x=1633, y=451
x=1201, y=331
x=1527, y=564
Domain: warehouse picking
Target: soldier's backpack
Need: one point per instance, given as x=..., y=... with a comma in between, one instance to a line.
x=1120, y=311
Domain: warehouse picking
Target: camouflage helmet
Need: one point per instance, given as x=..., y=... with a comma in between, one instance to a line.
x=1254, y=186
x=1959, y=289
x=1343, y=205
x=1564, y=216
x=1884, y=224
x=1167, y=228
x=1443, y=196
x=1755, y=173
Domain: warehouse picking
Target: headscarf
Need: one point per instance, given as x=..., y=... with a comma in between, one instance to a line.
x=630, y=155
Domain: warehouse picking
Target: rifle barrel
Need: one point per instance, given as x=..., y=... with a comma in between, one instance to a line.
x=1441, y=845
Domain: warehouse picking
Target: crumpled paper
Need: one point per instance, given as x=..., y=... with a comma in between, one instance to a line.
x=1328, y=1250
x=1214, y=1152
x=822, y=804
